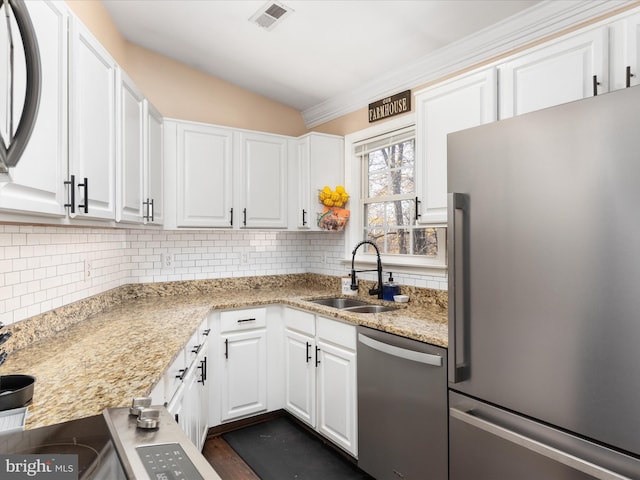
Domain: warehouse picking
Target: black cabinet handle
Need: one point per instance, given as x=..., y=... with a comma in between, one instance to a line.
x=203, y=370
x=206, y=332
x=149, y=204
x=317, y=356
x=629, y=75
x=183, y=372
x=418, y=215
x=244, y=217
x=72, y=194
x=177, y=418
x=304, y=215
x=226, y=348
x=85, y=185
x=196, y=349
x=308, y=356
x=244, y=320
x=231, y=216
x=595, y=85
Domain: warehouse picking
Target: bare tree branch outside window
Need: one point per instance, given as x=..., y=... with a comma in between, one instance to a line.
x=389, y=203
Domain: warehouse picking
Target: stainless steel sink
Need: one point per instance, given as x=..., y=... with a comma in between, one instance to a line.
x=370, y=309
x=338, y=302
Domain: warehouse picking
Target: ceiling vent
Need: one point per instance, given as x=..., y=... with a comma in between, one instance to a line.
x=270, y=15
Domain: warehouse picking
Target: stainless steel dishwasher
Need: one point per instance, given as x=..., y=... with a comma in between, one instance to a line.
x=402, y=407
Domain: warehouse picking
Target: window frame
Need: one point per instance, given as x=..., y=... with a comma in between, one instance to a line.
x=355, y=226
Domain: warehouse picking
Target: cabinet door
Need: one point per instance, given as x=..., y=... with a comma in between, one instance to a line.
x=463, y=103
x=262, y=159
x=624, y=50
x=201, y=405
x=553, y=74
x=337, y=395
x=36, y=183
x=92, y=119
x=154, y=165
x=244, y=374
x=204, y=176
x=300, y=376
x=130, y=171
x=190, y=406
x=175, y=407
x=318, y=162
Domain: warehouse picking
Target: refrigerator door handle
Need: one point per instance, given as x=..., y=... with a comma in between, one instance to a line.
x=555, y=454
x=458, y=368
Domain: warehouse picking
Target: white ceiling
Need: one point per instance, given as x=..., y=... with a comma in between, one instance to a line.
x=322, y=50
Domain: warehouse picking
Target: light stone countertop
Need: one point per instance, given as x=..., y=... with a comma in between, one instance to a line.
x=122, y=350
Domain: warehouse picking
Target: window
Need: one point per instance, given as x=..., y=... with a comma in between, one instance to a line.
x=388, y=172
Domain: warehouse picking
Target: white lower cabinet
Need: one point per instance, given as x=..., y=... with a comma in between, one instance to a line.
x=300, y=375
x=263, y=359
x=186, y=388
x=320, y=375
x=242, y=362
x=244, y=382
x=195, y=402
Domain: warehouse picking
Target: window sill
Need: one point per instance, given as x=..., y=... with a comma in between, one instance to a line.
x=398, y=266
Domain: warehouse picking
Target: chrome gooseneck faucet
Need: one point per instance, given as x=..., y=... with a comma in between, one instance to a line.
x=354, y=285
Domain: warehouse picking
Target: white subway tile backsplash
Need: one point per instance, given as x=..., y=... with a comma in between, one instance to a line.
x=43, y=267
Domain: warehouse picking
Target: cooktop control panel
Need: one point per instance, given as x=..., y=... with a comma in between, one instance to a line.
x=156, y=451
x=167, y=462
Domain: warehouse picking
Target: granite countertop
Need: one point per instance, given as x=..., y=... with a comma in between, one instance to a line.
x=122, y=348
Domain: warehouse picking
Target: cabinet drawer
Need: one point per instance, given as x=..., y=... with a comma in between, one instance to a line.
x=338, y=333
x=300, y=321
x=235, y=320
x=173, y=375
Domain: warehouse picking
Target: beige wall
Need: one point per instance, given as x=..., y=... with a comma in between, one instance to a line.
x=179, y=91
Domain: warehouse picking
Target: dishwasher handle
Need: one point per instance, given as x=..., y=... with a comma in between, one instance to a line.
x=421, y=357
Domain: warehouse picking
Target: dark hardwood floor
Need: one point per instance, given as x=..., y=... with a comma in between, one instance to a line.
x=225, y=461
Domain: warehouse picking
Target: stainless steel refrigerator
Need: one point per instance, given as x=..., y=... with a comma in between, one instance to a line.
x=544, y=294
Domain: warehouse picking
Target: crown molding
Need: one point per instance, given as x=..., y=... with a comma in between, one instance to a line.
x=531, y=25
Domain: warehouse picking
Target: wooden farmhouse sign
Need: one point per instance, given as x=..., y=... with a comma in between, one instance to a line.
x=390, y=106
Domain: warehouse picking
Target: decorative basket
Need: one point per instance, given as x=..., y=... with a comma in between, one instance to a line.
x=333, y=219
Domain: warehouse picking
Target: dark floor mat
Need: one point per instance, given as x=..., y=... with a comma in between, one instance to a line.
x=280, y=450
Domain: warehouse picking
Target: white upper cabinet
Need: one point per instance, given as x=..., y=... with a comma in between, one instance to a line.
x=36, y=183
x=130, y=166
x=204, y=175
x=262, y=189
x=224, y=177
x=624, y=52
x=154, y=165
x=92, y=120
x=461, y=103
x=565, y=70
x=317, y=160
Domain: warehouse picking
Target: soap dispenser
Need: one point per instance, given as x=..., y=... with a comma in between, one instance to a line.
x=389, y=289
